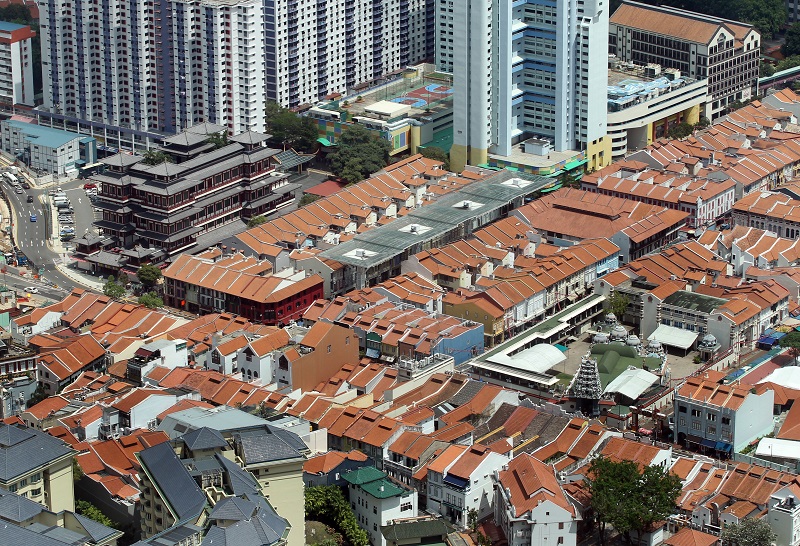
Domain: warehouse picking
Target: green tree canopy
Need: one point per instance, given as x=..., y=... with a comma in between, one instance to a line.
x=307, y=199
x=92, y=512
x=327, y=504
x=765, y=70
x=748, y=532
x=791, y=342
x=156, y=157
x=617, y=303
x=151, y=300
x=681, y=130
x=628, y=499
x=289, y=129
x=113, y=289
x=359, y=154
x=436, y=153
x=787, y=63
x=219, y=140
x=149, y=274
x=256, y=221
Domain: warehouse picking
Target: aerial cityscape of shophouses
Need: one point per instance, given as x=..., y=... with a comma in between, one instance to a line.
x=449, y=345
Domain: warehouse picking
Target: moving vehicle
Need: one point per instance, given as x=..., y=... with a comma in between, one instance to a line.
x=33, y=217
x=30, y=199
x=31, y=289
x=17, y=190
x=11, y=179
x=90, y=186
x=25, y=185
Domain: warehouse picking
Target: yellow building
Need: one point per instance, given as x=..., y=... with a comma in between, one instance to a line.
x=477, y=309
x=37, y=466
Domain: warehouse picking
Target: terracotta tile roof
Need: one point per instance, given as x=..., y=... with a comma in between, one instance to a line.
x=136, y=397
x=479, y=403
x=466, y=464
x=628, y=450
x=446, y=458
x=691, y=537
x=326, y=462
x=790, y=430
x=48, y=406
x=725, y=396
x=530, y=482
x=682, y=467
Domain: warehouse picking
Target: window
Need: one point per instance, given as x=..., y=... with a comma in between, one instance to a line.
x=561, y=525
x=695, y=413
x=682, y=409
x=406, y=506
x=726, y=420
x=375, y=509
x=36, y=477
x=711, y=417
x=329, y=348
x=696, y=426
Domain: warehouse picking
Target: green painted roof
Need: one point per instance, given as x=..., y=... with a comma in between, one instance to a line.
x=383, y=489
x=424, y=529
x=441, y=139
x=363, y=475
x=615, y=358
x=694, y=301
x=573, y=164
x=325, y=142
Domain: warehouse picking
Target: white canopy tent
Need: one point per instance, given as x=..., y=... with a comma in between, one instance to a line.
x=674, y=337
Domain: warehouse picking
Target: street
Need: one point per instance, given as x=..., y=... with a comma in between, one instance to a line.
x=31, y=236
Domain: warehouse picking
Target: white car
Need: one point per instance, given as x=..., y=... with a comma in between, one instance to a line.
x=31, y=289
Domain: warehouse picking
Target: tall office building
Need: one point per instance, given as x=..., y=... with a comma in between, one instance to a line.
x=700, y=46
x=16, y=64
x=531, y=69
x=131, y=72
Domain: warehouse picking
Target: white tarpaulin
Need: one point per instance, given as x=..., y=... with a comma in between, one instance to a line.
x=632, y=383
x=674, y=337
x=537, y=359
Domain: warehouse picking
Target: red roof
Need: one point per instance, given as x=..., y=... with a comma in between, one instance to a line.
x=325, y=189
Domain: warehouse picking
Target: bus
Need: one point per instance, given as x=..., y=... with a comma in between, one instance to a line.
x=11, y=179
x=90, y=170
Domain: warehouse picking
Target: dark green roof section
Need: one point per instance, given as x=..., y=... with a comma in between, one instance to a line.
x=441, y=139
x=694, y=301
x=384, y=489
x=363, y=475
x=406, y=530
x=615, y=358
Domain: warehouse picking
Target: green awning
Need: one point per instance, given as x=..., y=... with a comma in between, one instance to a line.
x=554, y=188
x=512, y=169
x=487, y=166
x=325, y=142
x=572, y=164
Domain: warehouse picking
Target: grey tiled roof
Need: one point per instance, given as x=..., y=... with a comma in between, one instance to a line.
x=466, y=393
x=171, y=477
x=16, y=508
x=240, y=480
x=233, y=508
x=266, y=528
x=97, y=531
x=204, y=438
x=23, y=450
x=415, y=529
x=13, y=534
x=266, y=445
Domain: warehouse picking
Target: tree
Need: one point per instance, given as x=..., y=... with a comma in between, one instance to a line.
x=765, y=70
x=360, y=153
x=92, y=512
x=149, y=274
x=617, y=303
x=681, y=130
x=327, y=504
x=630, y=500
x=787, y=63
x=472, y=519
x=702, y=123
x=156, y=157
x=436, y=153
x=219, y=140
x=77, y=471
x=151, y=300
x=748, y=532
x=289, y=129
x=256, y=221
x=654, y=498
x=113, y=289
x=568, y=179
x=791, y=342
x=307, y=199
